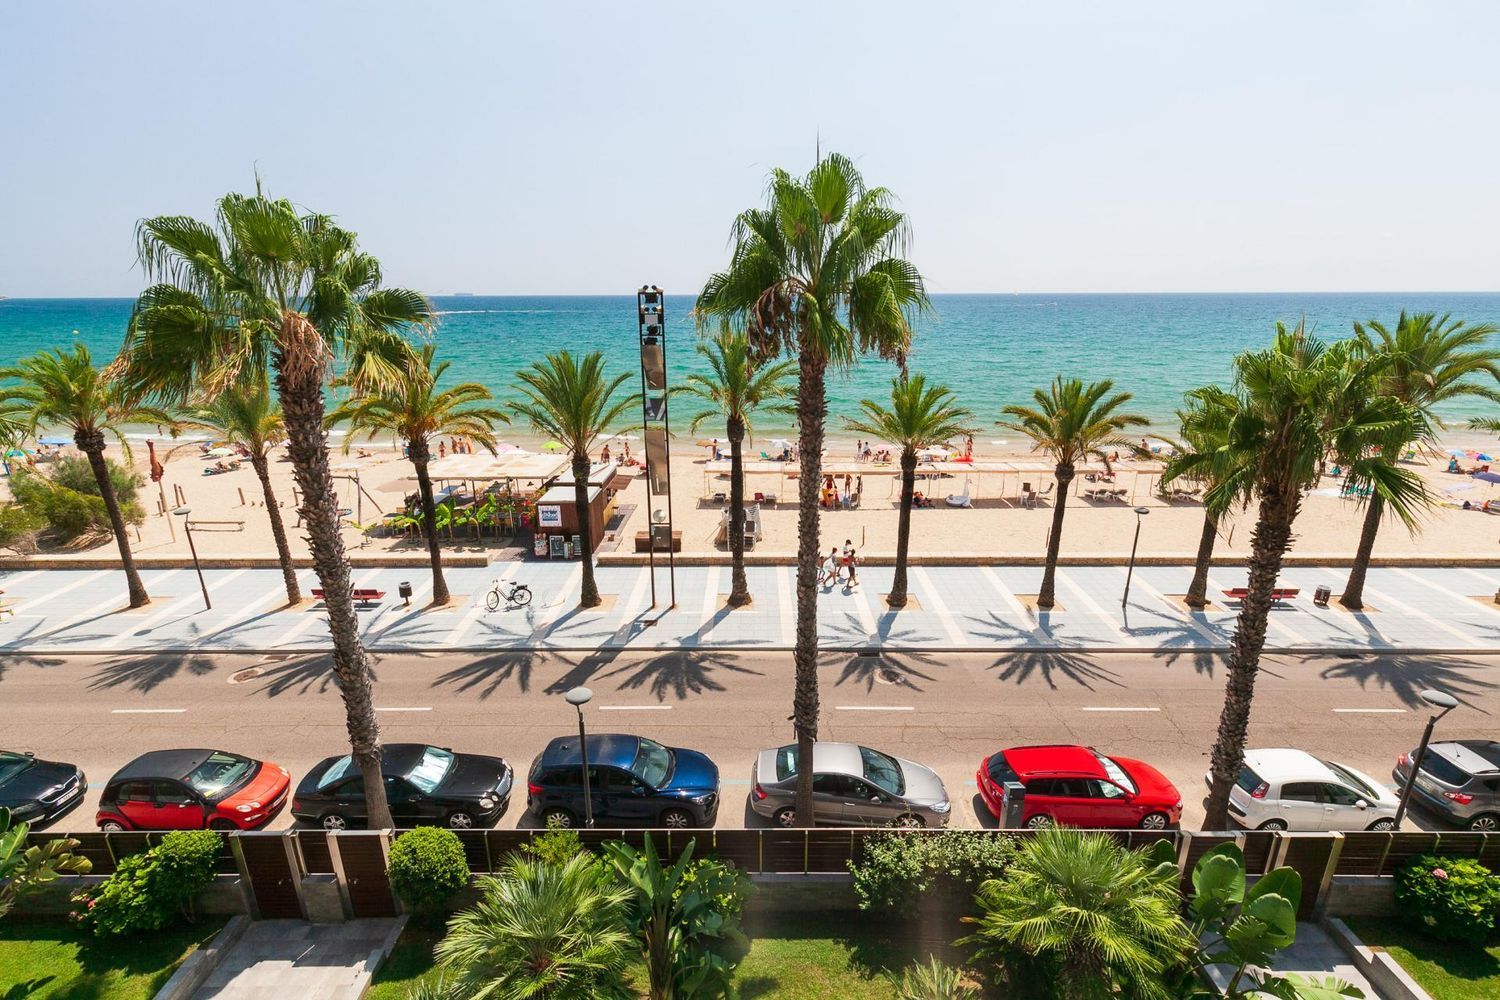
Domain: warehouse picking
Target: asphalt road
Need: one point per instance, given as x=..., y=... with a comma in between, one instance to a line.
x=944, y=710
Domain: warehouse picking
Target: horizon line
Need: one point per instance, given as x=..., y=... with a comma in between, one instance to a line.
x=598, y=295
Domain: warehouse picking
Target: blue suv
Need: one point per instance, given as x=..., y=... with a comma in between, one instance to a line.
x=632, y=781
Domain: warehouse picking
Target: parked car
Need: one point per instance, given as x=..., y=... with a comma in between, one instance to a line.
x=1459, y=780
x=632, y=781
x=193, y=789
x=1079, y=786
x=38, y=791
x=1293, y=790
x=852, y=786
x=423, y=784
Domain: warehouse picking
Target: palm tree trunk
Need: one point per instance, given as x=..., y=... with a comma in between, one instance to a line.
x=1197, y=595
x=420, y=454
x=262, y=469
x=1353, y=596
x=897, y=596
x=590, y=597
x=1268, y=545
x=812, y=413
x=300, y=364
x=739, y=588
x=1047, y=596
x=91, y=443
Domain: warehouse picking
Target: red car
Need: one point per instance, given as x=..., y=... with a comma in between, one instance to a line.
x=193, y=789
x=1079, y=786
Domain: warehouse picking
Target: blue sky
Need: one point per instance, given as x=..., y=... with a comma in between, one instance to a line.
x=588, y=147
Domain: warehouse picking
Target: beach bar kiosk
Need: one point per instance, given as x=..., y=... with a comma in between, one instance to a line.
x=557, y=514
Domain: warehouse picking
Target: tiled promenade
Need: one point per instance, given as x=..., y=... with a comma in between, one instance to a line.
x=954, y=608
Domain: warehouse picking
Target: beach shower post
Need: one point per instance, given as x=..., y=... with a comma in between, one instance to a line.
x=650, y=304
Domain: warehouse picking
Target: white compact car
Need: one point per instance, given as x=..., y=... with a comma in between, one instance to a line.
x=1293, y=790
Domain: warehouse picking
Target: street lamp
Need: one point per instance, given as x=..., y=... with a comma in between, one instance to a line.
x=187, y=528
x=1140, y=512
x=579, y=697
x=1437, y=699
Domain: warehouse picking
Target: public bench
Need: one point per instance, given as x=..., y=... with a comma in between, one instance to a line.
x=360, y=595
x=1277, y=594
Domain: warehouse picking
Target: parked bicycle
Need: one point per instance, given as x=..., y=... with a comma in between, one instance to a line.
x=514, y=595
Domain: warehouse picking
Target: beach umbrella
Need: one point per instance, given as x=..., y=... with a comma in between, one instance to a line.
x=706, y=442
x=1482, y=457
x=1458, y=453
x=220, y=452
x=506, y=448
x=53, y=441
x=1488, y=477
x=552, y=446
x=780, y=443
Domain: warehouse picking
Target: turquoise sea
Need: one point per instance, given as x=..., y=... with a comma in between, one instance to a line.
x=991, y=349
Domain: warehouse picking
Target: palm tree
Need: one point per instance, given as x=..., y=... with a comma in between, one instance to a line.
x=542, y=931
x=1070, y=422
x=919, y=414
x=1091, y=917
x=1299, y=402
x=412, y=408
x=737, y=385
x=816, y=275
x=246, y=415
x=1205, y=426
x=266, y=288
x=574, y=404
x=63, y=389
x=1428, y=360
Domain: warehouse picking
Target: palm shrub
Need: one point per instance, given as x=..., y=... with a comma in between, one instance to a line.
x=25, y=869
x=933, y=981
x=153, y=888
x=427, y=866
x=903, y=874
x=1453, y=899
x=818, y=275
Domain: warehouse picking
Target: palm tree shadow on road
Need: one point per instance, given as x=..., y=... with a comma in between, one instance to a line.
x=679, y=673
x=1406, y=675
x=147, y=671
x=489, y=673
x=1052, y=664
x=869, y=669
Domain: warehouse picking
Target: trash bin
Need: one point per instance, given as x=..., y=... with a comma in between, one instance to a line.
x=404, y=589
x=1321, y=595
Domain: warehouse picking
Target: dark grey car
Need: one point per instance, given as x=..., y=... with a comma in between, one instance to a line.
x=1459, y=780
x=852, y=786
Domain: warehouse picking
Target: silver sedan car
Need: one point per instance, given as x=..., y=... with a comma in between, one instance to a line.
x=852, y=786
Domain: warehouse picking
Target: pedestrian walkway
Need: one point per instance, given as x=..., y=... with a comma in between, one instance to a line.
x=292, y=958
x=952, y=607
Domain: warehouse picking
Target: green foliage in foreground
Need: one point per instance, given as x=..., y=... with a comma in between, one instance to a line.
x=64, y=961
x=899, y=872
x=427, y=867
x=152, y=889
x=1449, y=970
x=1452, y=899
x=25, y=869
x=73, y=508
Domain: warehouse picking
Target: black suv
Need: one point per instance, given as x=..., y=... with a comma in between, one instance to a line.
x=632, y=780
x=1459, y=780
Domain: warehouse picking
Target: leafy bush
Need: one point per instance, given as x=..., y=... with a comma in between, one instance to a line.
x=73, y=472
x=933, y=981
x=148, y=890
x=555, y=847
x=898, y=870
x=1454, y=899
x=71, y=512
x=25, y=869
x=427, y=867
x=19, y=527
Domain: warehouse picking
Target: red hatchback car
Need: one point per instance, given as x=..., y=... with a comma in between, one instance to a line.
x=193, y=789
x=1079, y=786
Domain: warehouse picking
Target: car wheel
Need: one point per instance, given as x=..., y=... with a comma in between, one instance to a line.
x=1487, y=823
x=111, y=826
x=333, y=821
x=786, y=816
x=220, y=824
x=676, y=819
x=1273, y=824
x=558, y=818
x=1382, y=825
x=909, y=821
x=1041, y=821
x=460, y=821
x=1154, y=821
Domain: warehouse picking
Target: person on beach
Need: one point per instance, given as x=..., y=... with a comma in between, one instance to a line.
x=604, y=455
x=859, y=485
x=828, y=573
x=851, y=560
x=442, y=452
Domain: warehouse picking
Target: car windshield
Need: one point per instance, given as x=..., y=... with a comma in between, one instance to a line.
x=653, y=762
x=430, y=769
x=882, y=771
x=219, y=774
x=335, y=773
x=1352, y=780
x=12, y=764
x=1116, y=773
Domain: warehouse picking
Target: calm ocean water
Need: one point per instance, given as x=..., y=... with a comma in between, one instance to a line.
x=991, y=349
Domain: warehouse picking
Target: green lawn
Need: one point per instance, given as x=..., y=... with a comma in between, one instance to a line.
x=1447, y=970
x=75, y=965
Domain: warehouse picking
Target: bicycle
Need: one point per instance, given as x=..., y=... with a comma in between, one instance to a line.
x=517, y=596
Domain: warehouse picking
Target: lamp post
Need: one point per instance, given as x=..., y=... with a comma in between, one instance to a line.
x=579, y=697
x=1140, y=512
x=187, y=529
x=1437, y=699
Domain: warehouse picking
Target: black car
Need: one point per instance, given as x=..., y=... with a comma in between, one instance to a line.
x=423, y=784
x=632, y=780
x=38, y=791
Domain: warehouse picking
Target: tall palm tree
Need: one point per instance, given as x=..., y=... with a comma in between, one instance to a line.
x=1205, y=428
x=412, y=408
x=574, y=403
x=817, y=274
x=246, y=415
x=1300, y=402
x=919, y=414
x=269, y=288
x=738, y=384
x=1428, y=360
x=60, y=388
x=1070, y=422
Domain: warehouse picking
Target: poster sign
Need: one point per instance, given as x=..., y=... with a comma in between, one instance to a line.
x=548, y=516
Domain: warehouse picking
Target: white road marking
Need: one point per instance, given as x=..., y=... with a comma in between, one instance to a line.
x=311, y=618
x=379, y=708
x=934, y=599
x=1087, y=600
x=637, y=597
x=1371, y=711
x=479, y=607
x=635, y=708
x=862, y=609
x=19, y=577
x=1121, y=708
x=1011, y=601
x=267, y=600
x=788, y=609
x=1390, y=600
x=95, y=612
x=133, y=632
x=1140, y=584
x=554, y=608
x=147, y=711
x=710, y=603
x=1489, y=581
x=84, y=577
x=874, y=708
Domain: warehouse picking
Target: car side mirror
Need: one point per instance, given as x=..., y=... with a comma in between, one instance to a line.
x=877, y=798
x=637, y=790
x=1361, y=804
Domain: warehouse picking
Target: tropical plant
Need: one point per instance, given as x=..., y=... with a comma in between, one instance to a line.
x=817, y=275
x=919, y=414
x=151, y=889
x=899, y=873
x=427, y=866
x=26, y=869
x=1426, y=360
x=556, y=846
x=1070, y=422
x=574, y=403
x=68, y=513
x=1449, y=898
x=267, y=288
x=63, y=389
x=1076, y=915
x=540, y=931
x=245, y=414
x=1299, y=403
x=738, y=384
x=1204, y=424
x=414, y=410
x=933, y=981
